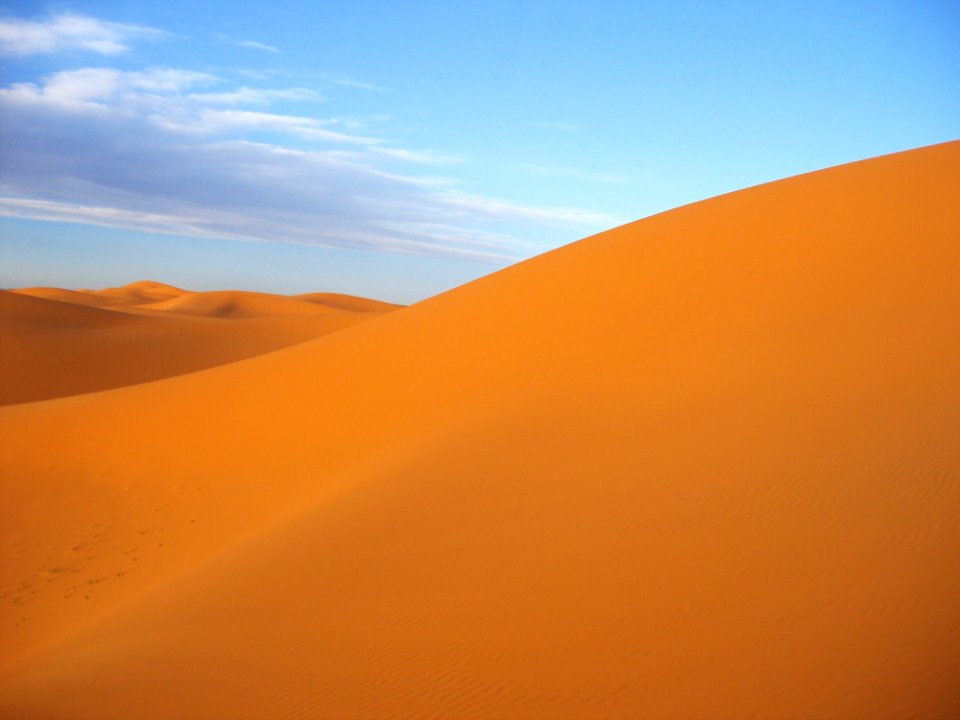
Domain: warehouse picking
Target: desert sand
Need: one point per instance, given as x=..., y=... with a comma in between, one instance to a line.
x=704, y=465
x=57, y=342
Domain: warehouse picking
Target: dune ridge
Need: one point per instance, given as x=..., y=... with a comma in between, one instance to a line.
x=55, y=343
x=340, y=301
x=73, y=297
x=702, y=465
x=138, y=293
x=232, y=304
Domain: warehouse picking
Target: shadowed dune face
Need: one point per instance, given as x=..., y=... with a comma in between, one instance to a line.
x=27, y=310
x=55, y=343
x=703, y=465
x=74, y=297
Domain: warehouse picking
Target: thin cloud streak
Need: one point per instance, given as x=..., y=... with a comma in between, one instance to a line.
x=253, y=44
x=257, y=96
x=347, y=81
x=559, y=171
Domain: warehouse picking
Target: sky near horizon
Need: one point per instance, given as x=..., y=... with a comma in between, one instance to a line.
x=398, y=149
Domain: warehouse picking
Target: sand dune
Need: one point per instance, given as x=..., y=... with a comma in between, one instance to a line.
x=74, y=297
x=138, y=293
x=55, y=343
x=236, y=304
x=345, y=302
x=704, y=465
x=28, y=310
x=152, y=286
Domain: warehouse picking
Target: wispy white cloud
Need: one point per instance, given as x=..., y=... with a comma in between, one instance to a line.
x=70, y=31
x=254, y=45
x=105, y=216
x=347, y=81
x=161, y=96
x=501, y=209
x=174, y=151
x=257, y=96
x=422, y=157
x=245, y=43
x=201, y=120
x=101, y=86
x=326, y=77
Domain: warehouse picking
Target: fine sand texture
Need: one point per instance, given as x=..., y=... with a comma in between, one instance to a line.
x=704, y=465
x=57, y=342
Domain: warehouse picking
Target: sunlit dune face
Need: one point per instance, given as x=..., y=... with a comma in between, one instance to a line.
x=703, y=465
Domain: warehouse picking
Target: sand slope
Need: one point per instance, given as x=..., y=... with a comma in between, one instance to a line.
x=55, y=342
x=704, y=465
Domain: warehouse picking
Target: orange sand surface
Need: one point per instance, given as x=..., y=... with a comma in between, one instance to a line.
x=56, y=342
x=705, y=465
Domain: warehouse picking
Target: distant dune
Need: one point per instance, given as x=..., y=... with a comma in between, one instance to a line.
x=74, y=297
x=704, y=465
x=234, y=304
x=345, y=302
x=55, y=343
x=137, y=293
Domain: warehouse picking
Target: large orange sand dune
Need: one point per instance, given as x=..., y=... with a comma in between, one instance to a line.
x=704, y=465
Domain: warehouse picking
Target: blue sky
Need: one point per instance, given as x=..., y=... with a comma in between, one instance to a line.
x=397, y=149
